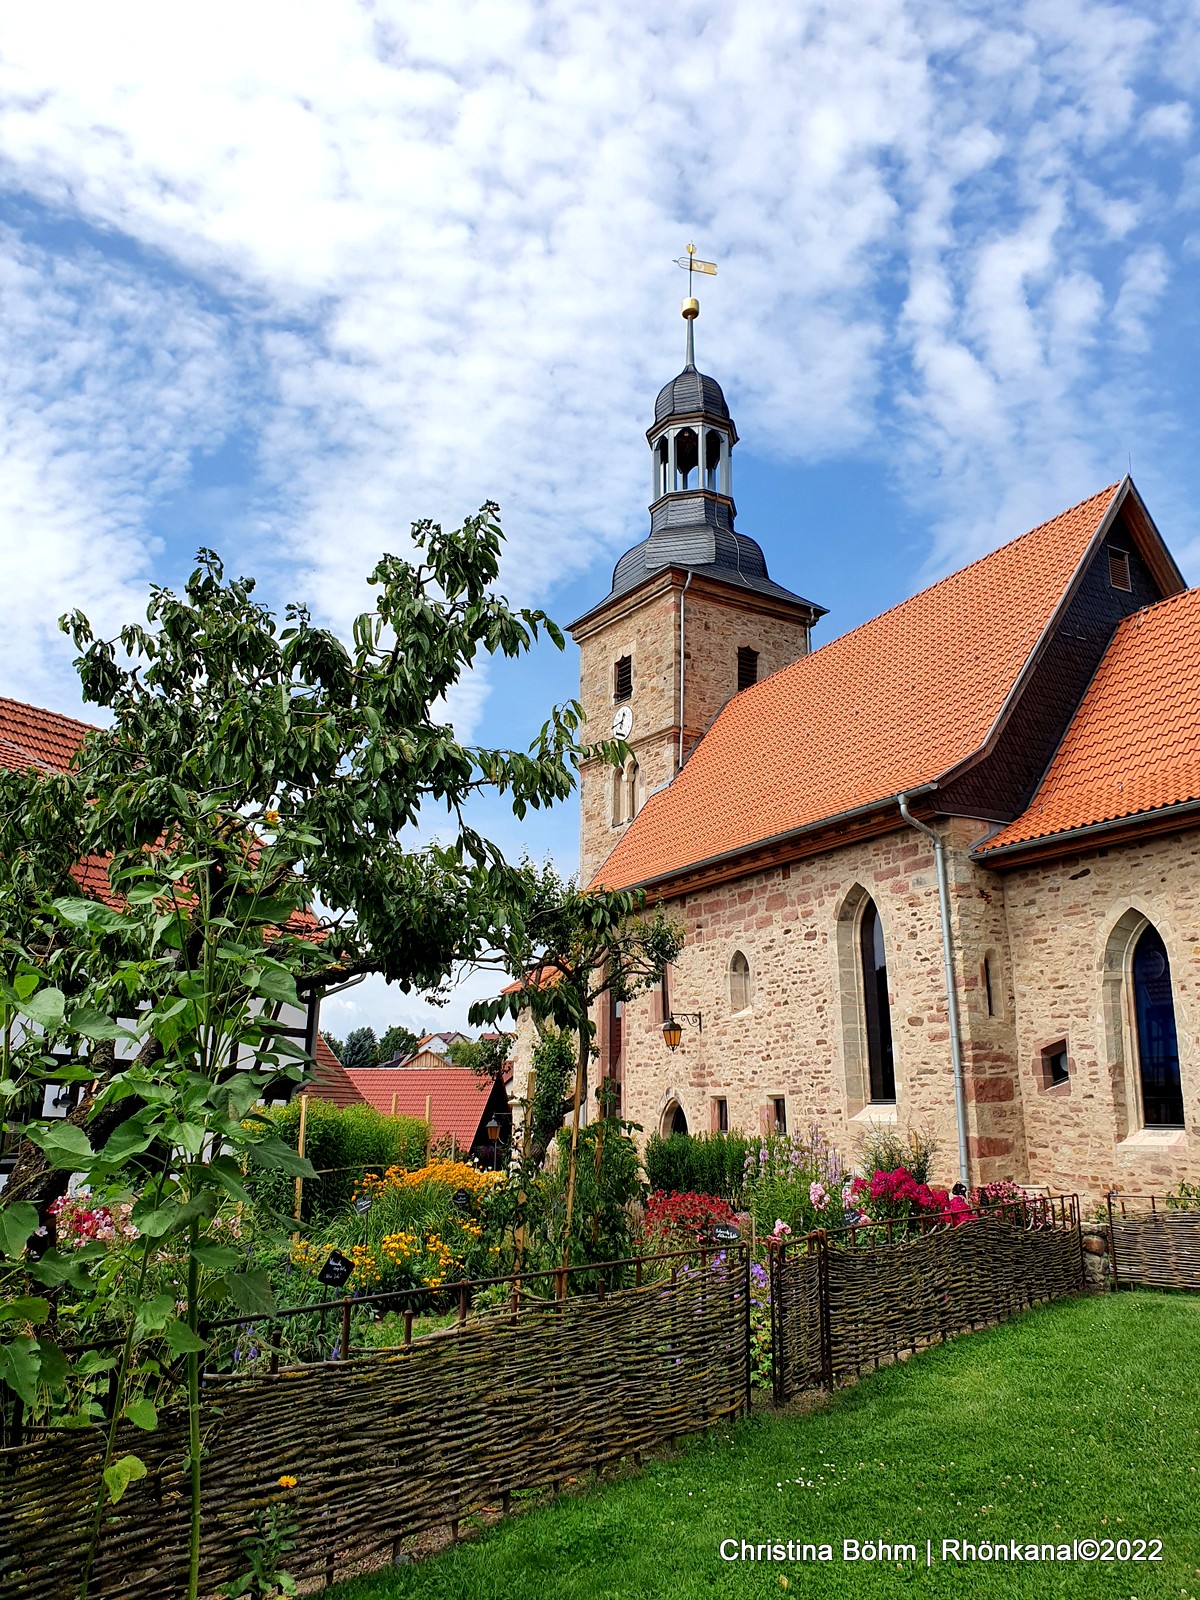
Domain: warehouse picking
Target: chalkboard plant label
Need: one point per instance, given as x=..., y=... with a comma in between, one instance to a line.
x=462, y=1198
x=725, y=1233
x=363, y=1204
x=335, y=1274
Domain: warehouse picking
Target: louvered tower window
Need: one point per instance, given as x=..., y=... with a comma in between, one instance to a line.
x=747, y=667
x=623, y=679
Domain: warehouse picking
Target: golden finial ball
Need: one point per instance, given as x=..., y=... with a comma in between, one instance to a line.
x=691, y=309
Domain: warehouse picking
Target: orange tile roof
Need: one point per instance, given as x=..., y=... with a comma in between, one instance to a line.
x=459, y=1096
x=330, y=1080
x=30, y=736
x=895, y=704
x=1134, y=744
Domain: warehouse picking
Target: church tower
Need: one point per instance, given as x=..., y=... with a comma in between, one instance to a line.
x=692, y=616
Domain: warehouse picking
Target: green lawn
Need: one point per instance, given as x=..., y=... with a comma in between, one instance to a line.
x=1078, y=1421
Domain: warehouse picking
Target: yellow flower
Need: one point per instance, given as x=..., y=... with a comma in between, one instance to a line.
x=287, y=1481
x=271, y=818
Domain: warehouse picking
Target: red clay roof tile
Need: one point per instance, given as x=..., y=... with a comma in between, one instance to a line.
x=459, y=1096
x=892, y=705
x=43, y=738
x=330, y=1081
x=1134, y=744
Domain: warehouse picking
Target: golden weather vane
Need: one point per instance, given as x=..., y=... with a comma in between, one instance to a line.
x=693, y=264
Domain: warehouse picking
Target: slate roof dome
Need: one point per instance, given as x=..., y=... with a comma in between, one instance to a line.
x=690, y=392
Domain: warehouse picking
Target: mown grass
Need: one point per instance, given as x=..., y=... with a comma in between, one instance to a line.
x=1077, y=1421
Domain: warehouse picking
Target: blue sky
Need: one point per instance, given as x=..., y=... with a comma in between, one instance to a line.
x=283, y=278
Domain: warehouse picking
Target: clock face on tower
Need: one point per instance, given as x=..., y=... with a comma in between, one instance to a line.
x=622, y=723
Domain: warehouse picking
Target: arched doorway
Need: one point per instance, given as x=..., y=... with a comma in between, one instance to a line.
x=673, y=1119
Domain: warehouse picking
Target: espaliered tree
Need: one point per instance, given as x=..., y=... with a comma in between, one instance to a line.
x=155, y=909
x=572, y=949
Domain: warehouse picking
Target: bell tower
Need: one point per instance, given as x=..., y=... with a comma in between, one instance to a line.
x=691, y=619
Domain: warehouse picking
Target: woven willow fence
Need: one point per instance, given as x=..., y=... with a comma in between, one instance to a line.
x=390, y=1444
x=850, y=1300
x=1153, y=1245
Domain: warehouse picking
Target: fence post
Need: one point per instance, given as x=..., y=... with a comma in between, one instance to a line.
x=1112, y=1244
x=747, y=1258
x=775, y=1289
x=345, y=1350
x=823, y=1296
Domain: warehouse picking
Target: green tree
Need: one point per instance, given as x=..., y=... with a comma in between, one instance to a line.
x=397, y=1041
x=571, y=948
x=487, y=1057
x=252, y=769
x=362, y=1049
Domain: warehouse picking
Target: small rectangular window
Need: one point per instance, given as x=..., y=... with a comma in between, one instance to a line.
x=664, y=996
x=987, y=987
x=721, y=1114
x=1055, y=1065
x=623, y=679
x=1118, y=570
x=747, y=668
x=779, y=1113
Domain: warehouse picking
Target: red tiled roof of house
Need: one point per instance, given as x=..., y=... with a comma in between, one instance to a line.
x=459, y=1097
x=895, y=704
x=1133, y=746
x=330, y=1081
x=31, y=736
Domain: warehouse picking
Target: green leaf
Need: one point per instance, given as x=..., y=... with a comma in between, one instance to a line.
x=142, y=1414
x=57, y=1267
x=277, y=1156
x=54, y=1365
x=251, y=1292
x=89, y=914
x=217, y=1257
x=17, y=1223
x=25, y=1308
x=93, y=1024
x=130, y=1139
x=66, y=1146
x=25, y=983
x=154, y=1313
x=118, y=1477
x=19, y=1368
x=46, y=1008
x=229, y=1175
x=181, y=1341
x=273, y=983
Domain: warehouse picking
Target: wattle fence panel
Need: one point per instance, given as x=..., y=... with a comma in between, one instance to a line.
x=867, y=1298
x=1153, y=1245
x=392, y=1443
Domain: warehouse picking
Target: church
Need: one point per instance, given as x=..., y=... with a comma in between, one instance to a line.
x=941, y=872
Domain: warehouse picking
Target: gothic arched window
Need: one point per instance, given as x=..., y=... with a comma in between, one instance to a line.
x=880, y=1063
x=739, y=982
x=1157, y=1041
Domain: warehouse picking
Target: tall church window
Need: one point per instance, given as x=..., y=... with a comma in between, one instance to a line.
x=739, y=982
x=662, y=462
x=1157, y=1040
x=625, y=793
x=880, y=1062
x=623, y=679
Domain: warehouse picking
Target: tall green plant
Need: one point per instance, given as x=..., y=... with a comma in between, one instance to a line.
x=684, y=1163
x=251, y=769
x=340, y=1143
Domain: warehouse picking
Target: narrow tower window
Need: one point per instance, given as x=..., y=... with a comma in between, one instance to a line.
x=747, y=667
x=623, y=679
x=662, y=457
x=1158, y=1042
x=739, y=982
x=878, y=1008
x=1118, y=570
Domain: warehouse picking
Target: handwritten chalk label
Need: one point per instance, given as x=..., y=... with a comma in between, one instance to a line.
x=335, y=1274
x=363, y=1204
x=725, y=1233
x=462, y=1198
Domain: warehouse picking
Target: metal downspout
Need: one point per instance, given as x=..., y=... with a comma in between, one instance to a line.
x=682, y=593
x=939, y=856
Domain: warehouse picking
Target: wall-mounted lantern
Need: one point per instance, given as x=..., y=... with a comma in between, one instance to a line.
x=672, y=1032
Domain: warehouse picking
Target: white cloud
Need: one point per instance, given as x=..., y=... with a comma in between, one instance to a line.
x=1171, y=123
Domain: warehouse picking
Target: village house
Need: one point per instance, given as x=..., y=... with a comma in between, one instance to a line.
x=939, y=872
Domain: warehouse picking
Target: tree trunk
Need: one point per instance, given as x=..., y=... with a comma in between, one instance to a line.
x=580, y=1088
